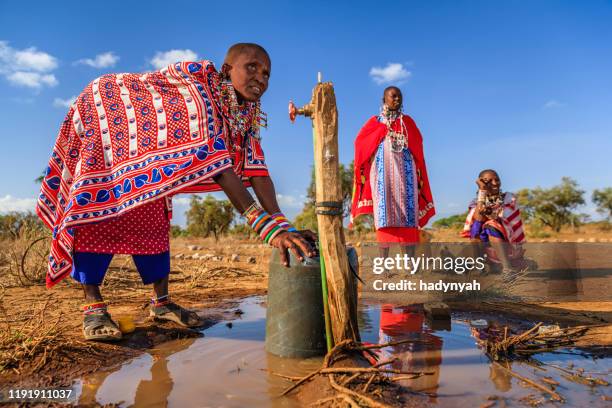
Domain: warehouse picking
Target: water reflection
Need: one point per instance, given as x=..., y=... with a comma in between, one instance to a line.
x=422, y=355
x=230, y=368
x=145, y=382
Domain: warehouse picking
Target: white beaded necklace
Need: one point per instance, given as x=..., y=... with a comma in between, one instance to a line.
x=397, y=139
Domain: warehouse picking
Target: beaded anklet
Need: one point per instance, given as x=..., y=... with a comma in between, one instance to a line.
x=160, y=301
x=95, y=308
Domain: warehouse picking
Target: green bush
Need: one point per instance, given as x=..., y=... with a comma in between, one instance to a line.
x=13, y=223
x=454, y=221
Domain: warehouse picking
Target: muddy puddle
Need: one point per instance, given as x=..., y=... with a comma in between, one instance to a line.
x=230, y=368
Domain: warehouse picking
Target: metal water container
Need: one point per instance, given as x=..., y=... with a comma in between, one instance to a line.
x=295, y=323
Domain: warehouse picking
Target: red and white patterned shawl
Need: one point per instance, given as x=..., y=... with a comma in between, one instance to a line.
x=130, y=139
x=508, y=220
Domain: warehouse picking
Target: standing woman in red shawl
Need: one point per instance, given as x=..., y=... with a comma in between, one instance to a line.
x=390, y=179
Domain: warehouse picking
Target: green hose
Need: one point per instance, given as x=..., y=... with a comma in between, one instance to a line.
x=328, y=331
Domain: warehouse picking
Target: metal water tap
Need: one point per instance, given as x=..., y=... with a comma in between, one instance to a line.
x=306, y=110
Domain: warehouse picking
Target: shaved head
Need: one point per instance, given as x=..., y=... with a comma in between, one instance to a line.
x=485, y=171
x=247, y=66
x=389, y=88
x=488, y=180
x=243, y=48
x=392, y=98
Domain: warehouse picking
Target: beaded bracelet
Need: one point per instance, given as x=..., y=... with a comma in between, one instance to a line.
x=283, y=221
x=252, y=212
x=265, y=225
x=482, y=195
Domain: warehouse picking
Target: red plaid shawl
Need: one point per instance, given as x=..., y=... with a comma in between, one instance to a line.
x=507, y=220
x=130, y=139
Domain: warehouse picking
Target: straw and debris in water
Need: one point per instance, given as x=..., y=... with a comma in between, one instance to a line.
x=366, y=386
x=502, y=348
x=356, y=386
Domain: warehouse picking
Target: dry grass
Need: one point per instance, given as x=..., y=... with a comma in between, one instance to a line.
x=23, y=260
x=29, y=342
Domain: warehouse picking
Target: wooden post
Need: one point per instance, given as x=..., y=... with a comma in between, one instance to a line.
x=341, y=284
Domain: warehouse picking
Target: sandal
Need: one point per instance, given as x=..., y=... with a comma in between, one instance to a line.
x=174, y=313
x=100, y=327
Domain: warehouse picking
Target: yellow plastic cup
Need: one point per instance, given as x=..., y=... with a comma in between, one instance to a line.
x=126, y=324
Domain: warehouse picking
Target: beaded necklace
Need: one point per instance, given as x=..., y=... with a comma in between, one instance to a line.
x=397, y=139
x=494, y=203
x=240, y=118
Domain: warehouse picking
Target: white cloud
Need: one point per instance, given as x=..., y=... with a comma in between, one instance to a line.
x=165, y=58
x=553, y=103
x=289, y=201
x=393, y=72
x=27, y=67
x=183, y=200
x=32, y=79
x=104, y=60
x=32, y=59
x=8, y=203
x=64, y=103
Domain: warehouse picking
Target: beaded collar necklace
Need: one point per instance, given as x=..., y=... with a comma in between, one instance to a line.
x=240, y=118
x=397, y=139
x=494, y=200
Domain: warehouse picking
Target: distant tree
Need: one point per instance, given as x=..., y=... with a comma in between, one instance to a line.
x=554, y=207
x=307, y=219
x=603, y=199
x=209, y=216
x=242, y=230
x=14, y=223
x=346, y=185
x=176, y=231
x=524, y=198
x=453, y=221
x=363, y=224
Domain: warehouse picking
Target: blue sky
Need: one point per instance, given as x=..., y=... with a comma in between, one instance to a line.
x=522, y=87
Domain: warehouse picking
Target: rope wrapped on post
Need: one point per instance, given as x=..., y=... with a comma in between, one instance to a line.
x=337, y=207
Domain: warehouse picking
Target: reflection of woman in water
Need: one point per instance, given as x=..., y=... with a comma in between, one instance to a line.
x=424, y=355
x=152, y=389
x=499, y=377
